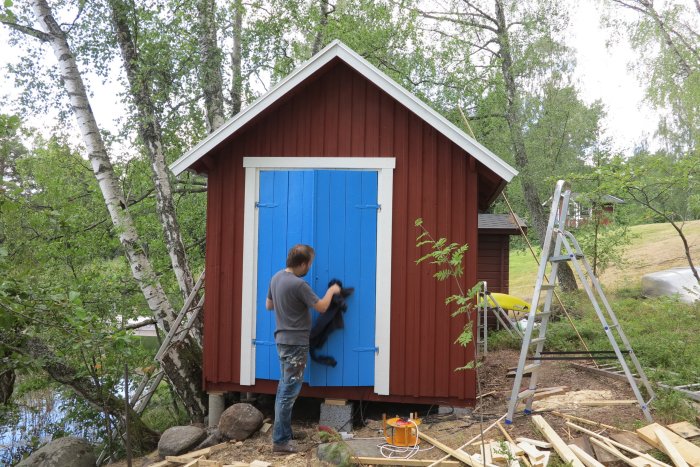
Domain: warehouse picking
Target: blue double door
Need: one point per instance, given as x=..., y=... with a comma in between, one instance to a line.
x=335, y=211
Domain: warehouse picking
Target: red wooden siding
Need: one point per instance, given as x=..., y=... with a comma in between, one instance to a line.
x=341, y=114
x=493, y=261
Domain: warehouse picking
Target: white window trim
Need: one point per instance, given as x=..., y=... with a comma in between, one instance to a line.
x=384, y=166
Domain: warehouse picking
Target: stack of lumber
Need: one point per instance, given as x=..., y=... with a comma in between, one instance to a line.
x=593, y=449
x=200, y=458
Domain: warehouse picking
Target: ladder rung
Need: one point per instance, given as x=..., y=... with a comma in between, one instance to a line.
x=536, y=340
x=526, y=394
x=548, y=287
x=559, y=259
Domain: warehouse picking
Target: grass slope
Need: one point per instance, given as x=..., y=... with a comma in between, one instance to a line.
x=654, y=247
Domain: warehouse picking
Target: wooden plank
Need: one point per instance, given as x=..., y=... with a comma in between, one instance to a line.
x=642, y=462
x=559, y=445
x=541, y=394
x=184, y=459
x=336, y=402
x=584, y=420
x=612, y=442
x=532, y=452
x=602, y=454
x=583, y=444
x=604, y=403
x=669, y=448
x=209, y=463
x=689, y=451
x=684, y=429
x=612, y=450
x=587, y=459
x=257, y=463
x=632, y=440
x=517, y=452
x=457, y=454
x=535, y=442
x=406, y=462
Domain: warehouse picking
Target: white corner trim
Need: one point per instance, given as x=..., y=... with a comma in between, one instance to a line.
x=250, y=275
x=320, y=163
x=373, y=74
x=385, y=193
x=385, y=188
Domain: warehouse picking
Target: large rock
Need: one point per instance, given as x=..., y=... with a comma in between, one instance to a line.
x=72, y=451
x=675, y=281
x=180, y=440
x=240, y=421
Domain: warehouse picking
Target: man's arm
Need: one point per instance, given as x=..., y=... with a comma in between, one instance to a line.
x=322, y=305
x=268, y=304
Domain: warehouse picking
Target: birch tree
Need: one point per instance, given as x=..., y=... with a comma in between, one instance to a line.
x=182, y=364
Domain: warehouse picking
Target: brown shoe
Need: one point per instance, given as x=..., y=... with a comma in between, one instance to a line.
x=286, y=448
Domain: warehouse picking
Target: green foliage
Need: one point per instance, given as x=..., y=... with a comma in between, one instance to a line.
x=672, y=350
x=671, y=406
x=448, y=258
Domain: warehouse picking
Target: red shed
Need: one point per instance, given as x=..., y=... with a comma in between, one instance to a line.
x=340, y=156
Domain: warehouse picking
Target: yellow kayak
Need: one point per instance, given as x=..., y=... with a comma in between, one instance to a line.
x=508, y=302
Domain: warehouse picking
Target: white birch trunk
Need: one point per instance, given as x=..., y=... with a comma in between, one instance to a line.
x=179, y=370
x=150, y=132
x=210, y=77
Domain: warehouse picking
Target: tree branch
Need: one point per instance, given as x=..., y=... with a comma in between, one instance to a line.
x=42, y=36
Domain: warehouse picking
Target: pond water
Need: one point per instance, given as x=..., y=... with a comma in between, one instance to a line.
x=34, y=419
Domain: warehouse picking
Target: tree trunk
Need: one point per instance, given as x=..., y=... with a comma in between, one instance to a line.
x=237, y=78
x=532, y=198
x=179, y=366
x=323, y=21
x=210, y=78
x=150, y=132
x=142, y=437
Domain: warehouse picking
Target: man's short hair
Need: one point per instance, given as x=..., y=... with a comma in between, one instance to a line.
x=300, y=254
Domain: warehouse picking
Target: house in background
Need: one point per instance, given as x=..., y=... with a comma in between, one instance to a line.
x=495, y=231
x=340, y=156
x=583, y=209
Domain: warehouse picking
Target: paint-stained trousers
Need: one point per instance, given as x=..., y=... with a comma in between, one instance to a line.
x=292, y=363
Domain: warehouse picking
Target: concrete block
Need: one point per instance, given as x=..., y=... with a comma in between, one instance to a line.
x=457, y=411
x=338, y=417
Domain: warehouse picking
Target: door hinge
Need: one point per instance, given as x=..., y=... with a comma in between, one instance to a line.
x=259, y=342
x=366, y=349
x=368, y=206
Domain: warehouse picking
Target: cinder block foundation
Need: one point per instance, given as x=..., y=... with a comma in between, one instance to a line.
x=216, y=408
x=458, y=411
x=335, y=416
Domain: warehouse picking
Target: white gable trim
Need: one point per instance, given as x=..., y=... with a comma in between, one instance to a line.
x=373, y=74
x=384, y=166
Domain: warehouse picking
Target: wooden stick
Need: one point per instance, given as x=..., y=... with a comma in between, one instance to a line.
x=586, y=421
x=456, y=453
x=471, y=440
x=615, y=443
x=602, y=403
x=588, y=460
x=510, y=440
x=559, y=445
x=613, y=451
x=535, y=442
x=669, y=448
x=399, y=461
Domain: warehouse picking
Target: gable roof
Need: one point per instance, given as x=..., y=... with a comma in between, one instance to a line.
x=337, y=49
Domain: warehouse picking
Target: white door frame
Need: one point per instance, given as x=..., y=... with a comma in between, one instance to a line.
x=384, y=166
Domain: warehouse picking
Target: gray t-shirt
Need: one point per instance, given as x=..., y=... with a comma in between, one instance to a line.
x=292, y=297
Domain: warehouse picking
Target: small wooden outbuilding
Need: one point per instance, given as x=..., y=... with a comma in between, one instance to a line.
x=340, y=156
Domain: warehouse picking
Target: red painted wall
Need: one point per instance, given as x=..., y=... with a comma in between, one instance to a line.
x=493, y=261
x=341, y=114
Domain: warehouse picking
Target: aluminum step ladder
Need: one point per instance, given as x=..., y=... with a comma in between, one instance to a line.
x=487, y=302
x=559, y=246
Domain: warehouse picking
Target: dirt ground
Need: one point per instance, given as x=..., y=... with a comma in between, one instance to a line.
x=450, y=429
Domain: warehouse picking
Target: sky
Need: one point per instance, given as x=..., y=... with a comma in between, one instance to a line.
x=602, y=73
